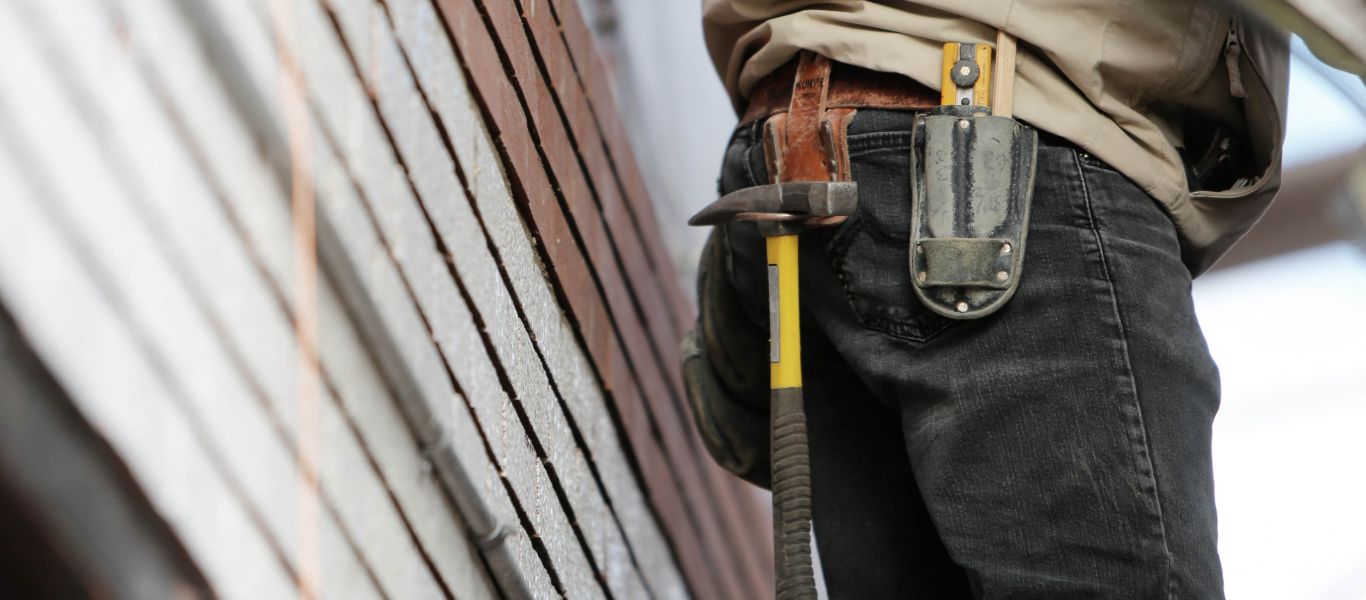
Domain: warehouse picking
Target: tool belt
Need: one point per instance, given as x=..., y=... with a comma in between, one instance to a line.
x=849, y=87
x=972, y=175
x=972, y=170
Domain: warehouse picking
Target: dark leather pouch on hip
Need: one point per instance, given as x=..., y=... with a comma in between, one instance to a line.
x=972, y=179
x=726, y=372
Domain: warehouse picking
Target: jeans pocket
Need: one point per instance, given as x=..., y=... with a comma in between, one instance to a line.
x=871, y=251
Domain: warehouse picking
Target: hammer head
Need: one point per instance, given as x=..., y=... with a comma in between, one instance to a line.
x=793, y=200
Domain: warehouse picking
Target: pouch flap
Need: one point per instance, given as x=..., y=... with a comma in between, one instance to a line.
x=963, y=261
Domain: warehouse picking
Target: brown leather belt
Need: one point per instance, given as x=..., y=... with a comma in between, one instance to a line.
x=849, y=87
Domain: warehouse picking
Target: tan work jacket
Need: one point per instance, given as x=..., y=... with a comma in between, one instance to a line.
x=1118, y=78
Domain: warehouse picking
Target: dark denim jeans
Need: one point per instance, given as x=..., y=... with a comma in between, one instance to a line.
x=1057, y=449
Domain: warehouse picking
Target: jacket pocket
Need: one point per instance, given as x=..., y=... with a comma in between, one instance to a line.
x=1262, y=59
x=1248, y=55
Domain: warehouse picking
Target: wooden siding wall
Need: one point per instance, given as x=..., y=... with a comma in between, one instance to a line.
x=488, y=254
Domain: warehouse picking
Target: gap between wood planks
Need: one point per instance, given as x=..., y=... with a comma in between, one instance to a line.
x=724, y=488
x=477, y=32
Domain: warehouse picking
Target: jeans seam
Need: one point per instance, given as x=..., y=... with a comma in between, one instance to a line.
x=860, y=152
x=1145, y=458
x=749, y=168
x=883, y=139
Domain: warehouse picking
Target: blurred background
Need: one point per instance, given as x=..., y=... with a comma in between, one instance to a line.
x=1284, y=313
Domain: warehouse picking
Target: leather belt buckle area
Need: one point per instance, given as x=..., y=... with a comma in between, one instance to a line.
x=850, y=87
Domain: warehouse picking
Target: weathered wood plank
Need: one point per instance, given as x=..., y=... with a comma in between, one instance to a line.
x=566, y=264
x=552, y=138
x=379, y=280
x=430, y=167
x=375, y=525
x=600, y=247
x=90, y=350
x=346, y=110
x=552, y=38
x=225, y=145
x=95, y=198
x=570, y=30
x=377, y=171
x=433, y=61
x=610, y=241
x=232, y=192
x=553, y=53
x=597, y=86
x=360, y=389
x=649, y=282
x=221, y=137
x=174, y=199
x=360, y=500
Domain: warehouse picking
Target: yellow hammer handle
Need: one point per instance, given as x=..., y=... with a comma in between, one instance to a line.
x=786, y=372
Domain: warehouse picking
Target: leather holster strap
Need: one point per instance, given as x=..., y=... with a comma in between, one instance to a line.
x=849, y=87
x=804, y=156
x=808, y=141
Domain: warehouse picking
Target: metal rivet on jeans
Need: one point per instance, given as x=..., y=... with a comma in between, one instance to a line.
x=1001, y=276
x=963, y=124
x=921, y=276
x=962, y=307
x=1005, y=248
x=919, y=249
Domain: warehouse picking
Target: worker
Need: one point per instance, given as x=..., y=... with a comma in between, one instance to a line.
x=1057, y=443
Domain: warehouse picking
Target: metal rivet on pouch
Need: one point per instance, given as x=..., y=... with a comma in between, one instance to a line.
x=921, y=276
x=962, y=307
x=963, y=124
x=919, y=249
x=1005, y=248
x=1001, y=276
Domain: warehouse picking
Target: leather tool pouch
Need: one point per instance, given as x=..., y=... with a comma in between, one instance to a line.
x=726, y=371
x=972, y=178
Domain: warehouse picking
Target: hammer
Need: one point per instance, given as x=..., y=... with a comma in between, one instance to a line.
x=782, y=211
x=803, y=163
